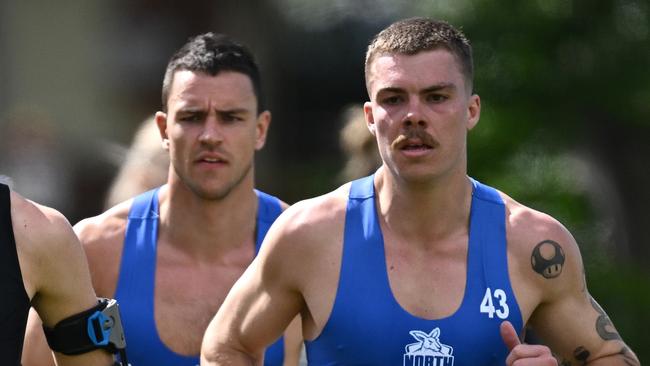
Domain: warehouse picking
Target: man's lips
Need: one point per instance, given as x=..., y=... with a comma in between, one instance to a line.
x=416, y=147
x=211, y=159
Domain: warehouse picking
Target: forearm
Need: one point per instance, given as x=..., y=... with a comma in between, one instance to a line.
x=623, y=358
x=94, y=358
x=36, y=352
x=293, y=343
x=226, y=356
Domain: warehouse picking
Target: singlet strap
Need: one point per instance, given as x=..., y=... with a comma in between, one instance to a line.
x=488, y=230
x=145, y=206
x=362, y=188
x=363, y=249
x=268, y=210
x=137, y=272
x=485, y=193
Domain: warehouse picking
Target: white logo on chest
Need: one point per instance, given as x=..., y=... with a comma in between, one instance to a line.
x=428, y=351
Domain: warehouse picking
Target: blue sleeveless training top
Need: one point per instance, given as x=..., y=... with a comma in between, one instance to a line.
x=367, y=326
x=135, y=287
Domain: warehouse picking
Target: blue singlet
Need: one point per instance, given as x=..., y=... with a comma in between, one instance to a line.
x=367, y=326
x=135, y=287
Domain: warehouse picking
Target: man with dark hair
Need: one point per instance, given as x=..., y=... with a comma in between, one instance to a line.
x=211, y=53
x=171, y=255
x=417, y=264
x=41, y=265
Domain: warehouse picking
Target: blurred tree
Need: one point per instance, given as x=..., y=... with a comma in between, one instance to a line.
x=568, y=79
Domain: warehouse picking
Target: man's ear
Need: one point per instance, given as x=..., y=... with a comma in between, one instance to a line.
x=161, y=122
x=473, y=111
x=262, y=129
x=370, y=119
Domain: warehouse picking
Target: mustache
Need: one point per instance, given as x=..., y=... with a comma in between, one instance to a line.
x=415, y=134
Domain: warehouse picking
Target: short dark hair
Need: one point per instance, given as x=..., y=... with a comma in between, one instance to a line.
x=213, y=53
x=414, y=35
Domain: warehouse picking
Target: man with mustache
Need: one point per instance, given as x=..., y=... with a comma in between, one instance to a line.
x=171, y=255
x=417, y=264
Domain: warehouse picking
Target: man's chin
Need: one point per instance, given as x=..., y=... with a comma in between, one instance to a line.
x=213, y=194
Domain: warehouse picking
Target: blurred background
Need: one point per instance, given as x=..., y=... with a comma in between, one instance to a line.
x=565, y=91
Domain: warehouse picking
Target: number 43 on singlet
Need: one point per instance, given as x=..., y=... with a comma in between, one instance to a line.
x=491, y=298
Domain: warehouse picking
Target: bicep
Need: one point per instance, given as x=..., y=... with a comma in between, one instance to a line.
x=64, y=287
x=570, y=321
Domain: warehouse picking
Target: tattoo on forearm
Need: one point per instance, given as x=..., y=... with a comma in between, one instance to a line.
x=604, y=325
x=548, y=259
x=581, y=354
x=628, y=357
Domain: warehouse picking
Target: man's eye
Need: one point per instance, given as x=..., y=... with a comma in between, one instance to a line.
x=190, y=118
x=232, y=118
x=393, y=100
x=436, y=97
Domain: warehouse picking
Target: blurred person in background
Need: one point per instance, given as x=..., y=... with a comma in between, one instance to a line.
x=42, y=265
x=145, y=165
x=171, y=255
x=358, y=145
x=417, y=264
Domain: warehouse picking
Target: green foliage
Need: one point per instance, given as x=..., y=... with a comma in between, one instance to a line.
x=624, y=292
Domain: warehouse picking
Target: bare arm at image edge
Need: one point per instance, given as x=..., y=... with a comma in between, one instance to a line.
x=55, y=273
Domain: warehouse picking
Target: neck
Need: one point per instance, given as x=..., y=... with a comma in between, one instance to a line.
x=207, y=228
x=424, y=212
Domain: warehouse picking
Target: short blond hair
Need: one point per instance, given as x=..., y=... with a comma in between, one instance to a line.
x=414, y=35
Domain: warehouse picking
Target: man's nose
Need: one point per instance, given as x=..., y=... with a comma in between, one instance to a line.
x=414, y=115
x=211, y=133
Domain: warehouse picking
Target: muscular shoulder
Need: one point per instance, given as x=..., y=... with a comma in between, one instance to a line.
x=44, y=240
x=315, y=217
x=37, y=227
x=106, y=227
x=545, y=253
x=529, y=230
x=102, y=238
x=308, y=234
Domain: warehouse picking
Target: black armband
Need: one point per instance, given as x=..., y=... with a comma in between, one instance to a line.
x=99, y=327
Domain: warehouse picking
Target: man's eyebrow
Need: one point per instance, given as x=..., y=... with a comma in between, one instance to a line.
x=190, y=109
x=438, y=87
x=232, y=111
x=429, y=89
x=390, y=89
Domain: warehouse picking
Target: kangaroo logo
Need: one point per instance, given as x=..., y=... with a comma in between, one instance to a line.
x=428, y=350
